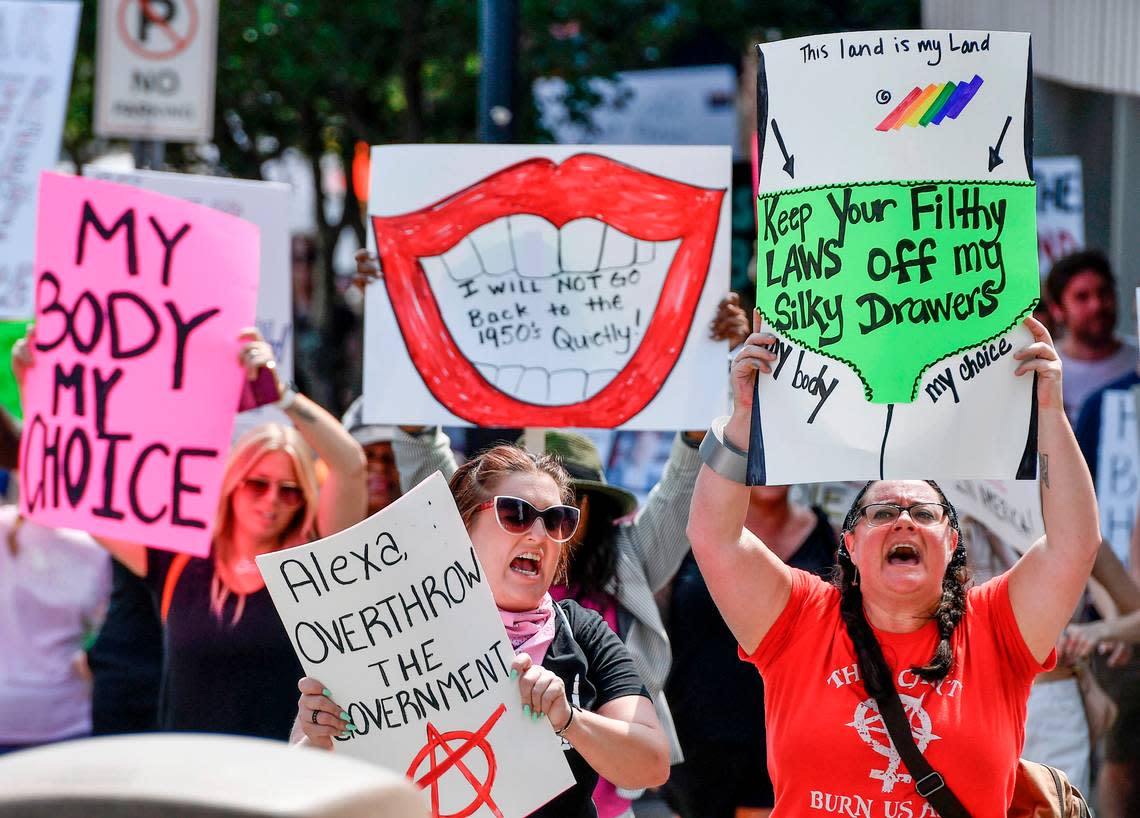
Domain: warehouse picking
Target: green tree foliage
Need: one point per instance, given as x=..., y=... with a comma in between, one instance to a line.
x=321, y=75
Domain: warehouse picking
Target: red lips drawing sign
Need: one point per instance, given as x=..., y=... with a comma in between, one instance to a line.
x=547, y=286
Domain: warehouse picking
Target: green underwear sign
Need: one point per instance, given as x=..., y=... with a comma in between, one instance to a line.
x=891, y=277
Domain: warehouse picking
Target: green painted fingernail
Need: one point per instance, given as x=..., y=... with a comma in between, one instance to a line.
x=351, y=727
x=345, y=717
x=514, y=673
x=326, y=693
x=344, y=734
x=538, y=716
x=526, y=710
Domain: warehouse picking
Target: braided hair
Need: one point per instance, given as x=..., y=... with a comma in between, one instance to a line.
x=873, y=665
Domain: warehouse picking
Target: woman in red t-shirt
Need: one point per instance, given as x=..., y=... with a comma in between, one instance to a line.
x=899, y=618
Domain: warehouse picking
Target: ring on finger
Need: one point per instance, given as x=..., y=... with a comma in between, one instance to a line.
x=315, y=714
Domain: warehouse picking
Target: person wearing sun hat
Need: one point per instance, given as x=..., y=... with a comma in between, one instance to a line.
x=581, y=459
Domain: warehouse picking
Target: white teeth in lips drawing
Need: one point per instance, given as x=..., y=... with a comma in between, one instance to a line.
x=581, y=245
x=536, y=385
x=534, y=244
x=568, y=308
x=532, y=247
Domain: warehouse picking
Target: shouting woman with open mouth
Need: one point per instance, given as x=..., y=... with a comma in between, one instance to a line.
x=572, y=669
x=899, y=645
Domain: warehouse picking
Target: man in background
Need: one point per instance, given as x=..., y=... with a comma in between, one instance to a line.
x=1082, y=299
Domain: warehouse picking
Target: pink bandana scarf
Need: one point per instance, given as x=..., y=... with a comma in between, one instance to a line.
x=531, y=632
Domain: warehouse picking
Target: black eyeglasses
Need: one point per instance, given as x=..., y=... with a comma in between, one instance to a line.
x=517, y=516
x=924, y=514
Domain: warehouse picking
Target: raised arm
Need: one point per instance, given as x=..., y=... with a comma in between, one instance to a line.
x=658, y=533
x=1115, y=582
x=344, y=495
x=749, y=583
x=1046, y=584
x=420, y=452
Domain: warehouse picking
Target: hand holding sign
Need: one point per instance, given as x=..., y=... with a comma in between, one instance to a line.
x=22, y=357
x=395, y=615
x=543, y=693
x=755, y=356
x=1041, y=358
x=319, y=717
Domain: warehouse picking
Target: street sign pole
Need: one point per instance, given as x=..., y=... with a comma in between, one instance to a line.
x=499, y=47
x=149, y=154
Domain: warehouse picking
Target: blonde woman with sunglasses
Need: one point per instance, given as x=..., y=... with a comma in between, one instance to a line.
x=573, y=672
x=229, y=665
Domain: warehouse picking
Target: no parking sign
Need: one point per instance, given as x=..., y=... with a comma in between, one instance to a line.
x=155, y=69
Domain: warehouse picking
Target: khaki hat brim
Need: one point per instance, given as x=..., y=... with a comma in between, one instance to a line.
x=625, y=500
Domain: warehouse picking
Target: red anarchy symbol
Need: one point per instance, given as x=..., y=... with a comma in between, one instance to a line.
x=454, y=758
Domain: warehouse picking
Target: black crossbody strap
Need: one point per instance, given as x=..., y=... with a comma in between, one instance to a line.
x=928, y=781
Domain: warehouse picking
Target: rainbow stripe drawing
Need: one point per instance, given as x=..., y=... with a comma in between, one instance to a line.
x=931, y=105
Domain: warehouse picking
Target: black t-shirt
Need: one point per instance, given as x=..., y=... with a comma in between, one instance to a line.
x=222, y=677
x=596, y=668
x=126, y=659
x=713, y=696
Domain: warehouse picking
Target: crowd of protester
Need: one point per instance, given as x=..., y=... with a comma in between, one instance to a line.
x=685, y=612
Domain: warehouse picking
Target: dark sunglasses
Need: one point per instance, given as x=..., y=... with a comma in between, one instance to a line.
x=517, y=516
x=257, y=487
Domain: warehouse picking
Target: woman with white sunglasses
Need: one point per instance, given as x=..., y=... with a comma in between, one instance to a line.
x=572, y=670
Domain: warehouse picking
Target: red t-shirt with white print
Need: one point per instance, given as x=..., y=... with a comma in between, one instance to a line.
x=828, y=749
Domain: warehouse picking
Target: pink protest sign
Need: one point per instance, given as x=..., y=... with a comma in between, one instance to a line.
x=130, y=405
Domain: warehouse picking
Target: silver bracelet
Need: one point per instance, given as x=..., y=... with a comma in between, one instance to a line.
x=721, y=456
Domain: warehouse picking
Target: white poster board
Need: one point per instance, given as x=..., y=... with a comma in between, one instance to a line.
x=266, y=204
x=1011, y=509
x=155, y=66
x=857, y=111
x=694, y=105
x=547, y=286
x=830, y=93
x=395, y=617
x=1118, y=470
x=37, y=47
x=1060, y=208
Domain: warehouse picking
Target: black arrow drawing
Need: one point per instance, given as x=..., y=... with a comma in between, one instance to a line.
x=789, y=161
x=995, y=158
